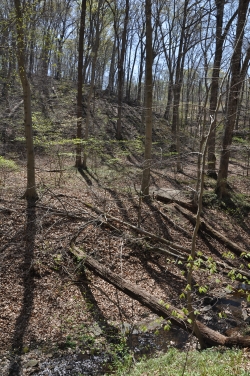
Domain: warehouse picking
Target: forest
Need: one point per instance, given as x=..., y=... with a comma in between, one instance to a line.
x=124, y=187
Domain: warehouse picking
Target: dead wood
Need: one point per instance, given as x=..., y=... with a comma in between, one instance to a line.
x=138, y=230
x=205, y=227
x=147, y=247
x=179, y=228
x=165, y=310
x=14, y=109
x=168, y=200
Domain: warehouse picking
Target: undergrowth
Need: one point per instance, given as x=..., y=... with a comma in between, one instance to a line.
x=204, y=363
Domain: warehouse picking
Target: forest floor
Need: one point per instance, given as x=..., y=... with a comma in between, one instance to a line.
x=52, y=308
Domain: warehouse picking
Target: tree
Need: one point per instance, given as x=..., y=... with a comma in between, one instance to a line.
x=238, y=73
x=220, y=38
x=31, y=181
x=121, y=56
x=80, y=83
x=148, y=100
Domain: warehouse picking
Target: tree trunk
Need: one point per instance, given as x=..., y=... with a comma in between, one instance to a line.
x=148, y=101
x=80, y=83
x=110, y=87
x=162, y=309
x=237, y=76
x=220, y=38
x=31, y=181
x=121, y=73
x=92, y=79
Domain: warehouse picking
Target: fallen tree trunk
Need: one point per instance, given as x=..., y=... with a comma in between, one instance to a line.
x=139, y=230
x=167, y=311
x=179, y=228
x=205, y=227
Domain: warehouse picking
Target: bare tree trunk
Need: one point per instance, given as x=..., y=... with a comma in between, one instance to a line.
x=31, y=182
x=215, y=82
x=237, y=76
x=110, y=87
x=80, y=82
x=120, y=73
x=148, y=101
x=92, y=79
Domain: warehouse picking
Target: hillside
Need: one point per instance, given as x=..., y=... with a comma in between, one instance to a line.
x=53, y=309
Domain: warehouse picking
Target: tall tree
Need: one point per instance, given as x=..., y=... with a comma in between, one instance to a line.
x=31, y=181
x=97, y=26
x=148, y=100
x=220, y=38
x=238, y=72
x=80, y=83
x=121, y=56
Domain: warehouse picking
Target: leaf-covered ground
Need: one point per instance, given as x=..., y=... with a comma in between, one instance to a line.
x=49, y=303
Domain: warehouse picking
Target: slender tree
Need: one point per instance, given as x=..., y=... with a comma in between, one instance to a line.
x=148, y=100
x=220, y=38
x=79, y=84
x=238, y=72
x=31, y=181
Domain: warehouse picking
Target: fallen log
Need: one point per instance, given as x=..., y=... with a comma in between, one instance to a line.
x=168, y=196
x=179, y=228
x=147, y=247
x=205, y=227
x=165, y=310
x=138, y=230
x=174, y=252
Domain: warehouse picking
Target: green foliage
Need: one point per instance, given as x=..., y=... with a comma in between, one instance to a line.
x=239, y=140
x=206, y=363
x=236, y=205
x=7, y=164
x=70, y=343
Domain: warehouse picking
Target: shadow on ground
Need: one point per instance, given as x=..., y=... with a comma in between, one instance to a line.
x=22, y=321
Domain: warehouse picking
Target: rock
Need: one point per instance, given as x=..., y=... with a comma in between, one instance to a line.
x=32, y=363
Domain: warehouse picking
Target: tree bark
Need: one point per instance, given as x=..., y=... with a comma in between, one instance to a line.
x=80, y=83
x=31, y=181
x=237, y=76
x=148, y=102
x=220, y=38
x=121, y=73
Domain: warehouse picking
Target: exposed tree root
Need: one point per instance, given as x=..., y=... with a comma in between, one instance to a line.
x=165, y=310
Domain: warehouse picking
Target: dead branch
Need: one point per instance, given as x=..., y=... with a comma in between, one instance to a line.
x=165, y=310
x=179, y=228
x=205, y=227
x=139, y=230
x=15, y=108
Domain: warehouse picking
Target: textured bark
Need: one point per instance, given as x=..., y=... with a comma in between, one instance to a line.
x=31, y=181
x=121, y=73
x=92, y=79
x=80, y=82
x=220, y=38
x=148, y=102
x=167, y=311
x=237, y=76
